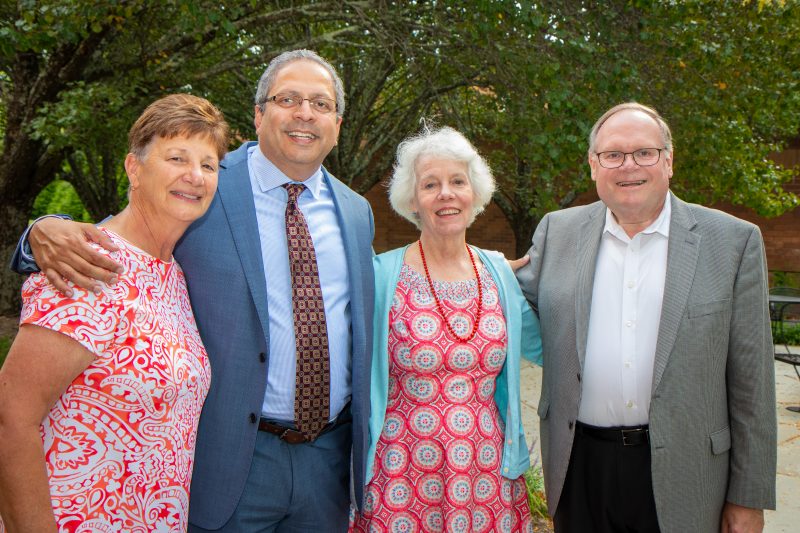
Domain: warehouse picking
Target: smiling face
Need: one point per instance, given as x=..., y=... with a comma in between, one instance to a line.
x=634, y=194
x=297, y=140
x=443, y=197
x=175, y=180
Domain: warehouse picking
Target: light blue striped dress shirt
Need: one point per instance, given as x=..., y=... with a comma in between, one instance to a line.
x=319, y=210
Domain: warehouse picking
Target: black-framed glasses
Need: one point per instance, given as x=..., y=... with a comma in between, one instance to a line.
x=644, y=157
x=319, y=104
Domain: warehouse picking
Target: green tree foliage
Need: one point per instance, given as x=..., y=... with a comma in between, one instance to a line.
x=524, y=80
x=74, y=75
x=60, y=197
x=724, y=74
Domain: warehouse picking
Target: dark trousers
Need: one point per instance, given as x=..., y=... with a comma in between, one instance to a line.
x=608, y=488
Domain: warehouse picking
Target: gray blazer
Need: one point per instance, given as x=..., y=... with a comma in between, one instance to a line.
x=221, y=257
x=712, y=412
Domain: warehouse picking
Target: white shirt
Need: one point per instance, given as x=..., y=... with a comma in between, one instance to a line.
x=319, y=210
x=623, y=323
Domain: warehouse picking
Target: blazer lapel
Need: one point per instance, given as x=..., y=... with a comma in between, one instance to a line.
x=342, y=201
x=588, y=245
x=236, y=195
x=682, y=253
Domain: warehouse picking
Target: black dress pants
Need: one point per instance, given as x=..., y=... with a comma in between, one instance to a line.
x=609, y=487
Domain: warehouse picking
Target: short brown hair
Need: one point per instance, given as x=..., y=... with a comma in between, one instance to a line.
x=179, y=114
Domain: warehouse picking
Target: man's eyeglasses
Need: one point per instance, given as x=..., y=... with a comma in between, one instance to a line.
x=644, y=157
x=319, y=104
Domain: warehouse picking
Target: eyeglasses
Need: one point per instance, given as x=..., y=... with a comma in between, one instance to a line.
x=644, y=157
x=319, y=104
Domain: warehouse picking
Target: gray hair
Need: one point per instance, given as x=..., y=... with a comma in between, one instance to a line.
x=280, y=61
x=666, y=135
x=444, y=143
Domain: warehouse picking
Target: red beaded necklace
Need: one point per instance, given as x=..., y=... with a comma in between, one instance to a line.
x=439, y=304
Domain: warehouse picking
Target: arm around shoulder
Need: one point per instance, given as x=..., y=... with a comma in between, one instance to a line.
x=22, y=261
x=62, y=252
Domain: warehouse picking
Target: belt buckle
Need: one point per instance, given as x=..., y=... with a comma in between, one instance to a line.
x=625, y=433
x=288, y=432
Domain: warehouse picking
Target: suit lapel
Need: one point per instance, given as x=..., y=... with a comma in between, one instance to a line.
x=344, y=208
x=682, y=253
x=236, y=195
x=588, y=244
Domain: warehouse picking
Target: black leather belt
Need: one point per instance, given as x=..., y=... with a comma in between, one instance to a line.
x=627, y=436
x=292, y=436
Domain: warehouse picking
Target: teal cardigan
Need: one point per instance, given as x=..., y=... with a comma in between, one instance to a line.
x=522, y=327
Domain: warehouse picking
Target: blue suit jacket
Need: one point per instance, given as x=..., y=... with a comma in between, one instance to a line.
x=221, y=256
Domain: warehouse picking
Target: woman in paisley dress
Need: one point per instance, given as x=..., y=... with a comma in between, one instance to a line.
x=102, y=390
x=447, y=447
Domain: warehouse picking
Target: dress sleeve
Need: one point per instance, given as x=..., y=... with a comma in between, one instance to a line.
x=88, y=318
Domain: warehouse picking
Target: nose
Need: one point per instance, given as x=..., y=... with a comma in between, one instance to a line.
x=446, y=191
x=303, y=111
x=628, y=158
x=195, y=175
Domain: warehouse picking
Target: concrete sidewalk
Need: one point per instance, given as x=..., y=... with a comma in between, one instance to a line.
x=783, y=520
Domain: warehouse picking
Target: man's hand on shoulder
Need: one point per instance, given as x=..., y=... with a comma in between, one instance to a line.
x=61, y=249
x=738, y=519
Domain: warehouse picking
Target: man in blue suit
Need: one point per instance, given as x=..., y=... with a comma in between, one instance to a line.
x=253, y=470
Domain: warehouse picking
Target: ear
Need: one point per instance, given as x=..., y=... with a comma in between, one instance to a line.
x=412, y=203
x=258, y=116
x=592, y=166
x=338, y=127
x=668, y=159
x=132, y=169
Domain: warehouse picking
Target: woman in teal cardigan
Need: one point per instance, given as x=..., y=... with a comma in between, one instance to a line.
x=447, y=446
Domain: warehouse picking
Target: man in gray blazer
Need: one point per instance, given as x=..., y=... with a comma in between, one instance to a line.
x=657, y=409
x=254, y=470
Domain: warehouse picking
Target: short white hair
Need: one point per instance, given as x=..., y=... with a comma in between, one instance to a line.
x=440, y=143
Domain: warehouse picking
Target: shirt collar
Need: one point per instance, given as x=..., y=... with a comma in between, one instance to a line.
x=660, y=225
x=269, y=177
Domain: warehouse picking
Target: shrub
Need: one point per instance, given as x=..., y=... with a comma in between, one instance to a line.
x=788, y=334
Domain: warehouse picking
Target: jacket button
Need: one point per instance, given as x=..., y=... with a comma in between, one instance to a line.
x=252, y=418
x=571, y=424
x=262, y=357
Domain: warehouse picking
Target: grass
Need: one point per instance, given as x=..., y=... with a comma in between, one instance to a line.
x=536, y=499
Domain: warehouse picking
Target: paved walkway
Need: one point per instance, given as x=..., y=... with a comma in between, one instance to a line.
x=783, y=520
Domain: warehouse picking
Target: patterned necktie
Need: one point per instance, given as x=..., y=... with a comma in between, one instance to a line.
x=312, y=383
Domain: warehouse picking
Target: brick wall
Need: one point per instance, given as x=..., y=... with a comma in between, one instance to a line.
x=492, y=231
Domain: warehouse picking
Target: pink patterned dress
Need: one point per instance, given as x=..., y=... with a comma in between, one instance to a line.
x=437, y=464
x=119, y=442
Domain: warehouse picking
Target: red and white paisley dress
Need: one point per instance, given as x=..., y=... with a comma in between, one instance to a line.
x=437, y=465
x=119, y=443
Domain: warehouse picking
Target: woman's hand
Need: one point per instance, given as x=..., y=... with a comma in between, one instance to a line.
x=516, y=264
x=61, y=249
